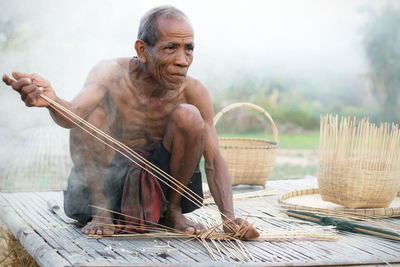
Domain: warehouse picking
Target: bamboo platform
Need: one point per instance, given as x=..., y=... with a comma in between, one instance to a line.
x=53, y=242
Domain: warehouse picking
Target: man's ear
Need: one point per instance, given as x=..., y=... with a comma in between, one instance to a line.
x=141, y=50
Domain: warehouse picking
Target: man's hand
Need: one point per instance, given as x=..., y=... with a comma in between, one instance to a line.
x=241, y=228
x=30, y=86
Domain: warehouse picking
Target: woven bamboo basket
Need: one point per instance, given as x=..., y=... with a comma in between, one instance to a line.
x=358, y=163
x=249, y=160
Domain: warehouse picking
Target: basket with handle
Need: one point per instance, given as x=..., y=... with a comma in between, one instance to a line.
x=249, y=160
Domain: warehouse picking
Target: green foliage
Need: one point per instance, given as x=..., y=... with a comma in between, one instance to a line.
x=300, y=114
x=298, y=102
x=382, y=46
x=286, y=141
x=293, y=103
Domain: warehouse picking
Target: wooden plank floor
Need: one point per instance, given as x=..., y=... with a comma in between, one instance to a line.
x=53, y=242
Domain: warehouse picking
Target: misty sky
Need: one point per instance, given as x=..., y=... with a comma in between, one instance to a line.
x=306, y=38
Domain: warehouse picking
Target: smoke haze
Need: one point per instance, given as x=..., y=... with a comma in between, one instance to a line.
x=316, y=41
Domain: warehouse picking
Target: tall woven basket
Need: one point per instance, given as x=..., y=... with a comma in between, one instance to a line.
x=358, y=162
x=249, y=160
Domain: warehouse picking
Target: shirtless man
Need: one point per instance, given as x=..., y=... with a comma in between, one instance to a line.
x=138, y=101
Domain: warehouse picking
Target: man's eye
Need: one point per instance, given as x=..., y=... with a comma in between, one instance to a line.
x=170, y=46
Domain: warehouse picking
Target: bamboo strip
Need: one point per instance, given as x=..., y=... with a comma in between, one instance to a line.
x=131, y=152
x=358, y=163
x=177, y=185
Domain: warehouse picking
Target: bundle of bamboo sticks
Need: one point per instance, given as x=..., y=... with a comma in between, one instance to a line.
x=225, y=243
x=358, y=162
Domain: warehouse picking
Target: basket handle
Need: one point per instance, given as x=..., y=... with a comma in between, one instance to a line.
x=252, y=106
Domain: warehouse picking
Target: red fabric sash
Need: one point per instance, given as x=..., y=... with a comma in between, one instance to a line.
x=142, y=198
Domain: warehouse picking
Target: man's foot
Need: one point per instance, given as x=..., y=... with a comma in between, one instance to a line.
x=100, y=226
x=178, y=221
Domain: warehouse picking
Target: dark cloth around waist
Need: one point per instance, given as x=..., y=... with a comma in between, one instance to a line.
x=77, y=198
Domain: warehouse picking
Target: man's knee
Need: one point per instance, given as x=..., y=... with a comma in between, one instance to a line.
x=188, y=119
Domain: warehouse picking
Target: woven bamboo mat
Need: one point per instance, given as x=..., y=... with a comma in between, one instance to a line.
x=36, y=159
x=311, y=200
x=52, y=242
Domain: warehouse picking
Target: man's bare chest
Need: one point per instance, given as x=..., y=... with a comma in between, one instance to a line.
x=139, y=122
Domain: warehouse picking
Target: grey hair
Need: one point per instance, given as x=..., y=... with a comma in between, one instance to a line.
x=148, y=31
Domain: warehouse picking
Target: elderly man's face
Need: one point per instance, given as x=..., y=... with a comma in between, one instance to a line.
x=170, y=57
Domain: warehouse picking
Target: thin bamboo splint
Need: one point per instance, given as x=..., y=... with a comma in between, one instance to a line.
x=228, y=244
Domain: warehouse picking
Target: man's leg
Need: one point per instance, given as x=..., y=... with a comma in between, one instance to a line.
x=77, y=199
x=184, y=139
x=91, y=158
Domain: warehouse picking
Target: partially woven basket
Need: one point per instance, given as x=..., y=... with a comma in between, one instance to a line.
x=250, y=160
x=358, y=164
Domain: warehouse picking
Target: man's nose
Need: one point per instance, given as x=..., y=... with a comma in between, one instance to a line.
x=181, y=59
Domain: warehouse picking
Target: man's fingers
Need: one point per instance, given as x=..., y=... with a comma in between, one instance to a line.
x=242, y=228
x=7, y=80
x=251, y=233
x=190, y=230
x=246, y=230
x=18, y=85
x=22, y=79
x=27, y=89
x=240, y=223
x=39, y=80
x=33, y=98
x=19, y=75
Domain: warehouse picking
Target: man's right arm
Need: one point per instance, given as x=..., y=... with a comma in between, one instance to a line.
x=82, y=105
x=31, y=86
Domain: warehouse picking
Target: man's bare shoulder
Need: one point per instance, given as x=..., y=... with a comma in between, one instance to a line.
x=196, y=93
x=194, y=87
x=108, y=70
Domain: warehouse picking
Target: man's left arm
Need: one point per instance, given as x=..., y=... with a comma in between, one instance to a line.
x=216, y=169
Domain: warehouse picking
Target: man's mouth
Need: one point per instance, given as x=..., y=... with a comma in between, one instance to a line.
x=178, y=75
